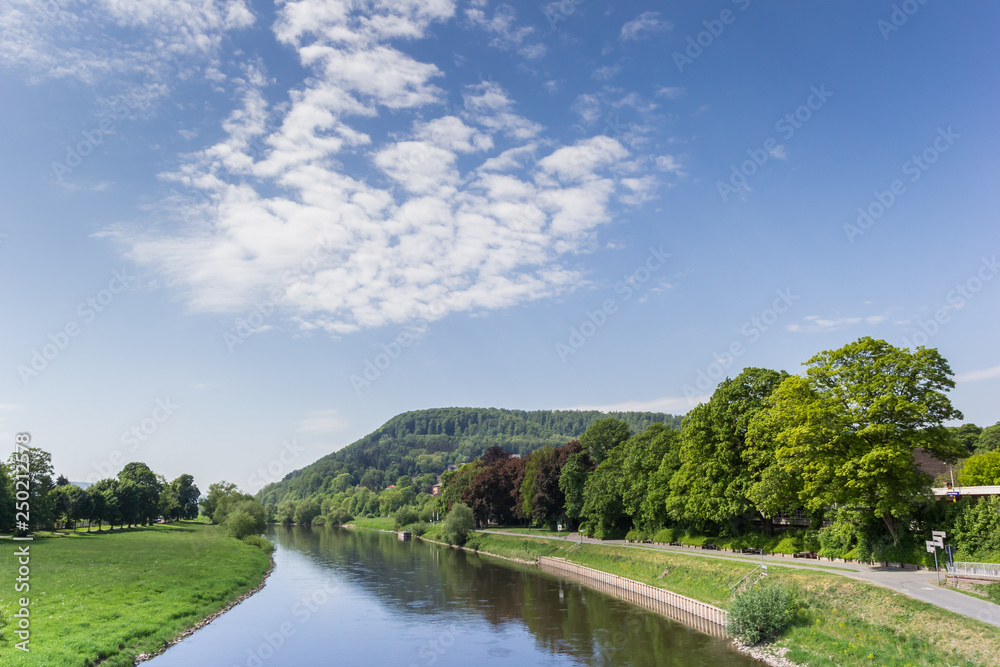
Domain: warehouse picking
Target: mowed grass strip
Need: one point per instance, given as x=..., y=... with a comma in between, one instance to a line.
x=114, y=595
x=374, y=523
x=838, y=621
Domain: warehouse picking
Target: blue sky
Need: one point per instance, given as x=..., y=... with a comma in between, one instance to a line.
x=239, y=235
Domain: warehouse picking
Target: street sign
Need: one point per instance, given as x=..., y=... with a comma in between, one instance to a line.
x=931, y=547
x=954, y=494
x=938, y=542
x=939, y=533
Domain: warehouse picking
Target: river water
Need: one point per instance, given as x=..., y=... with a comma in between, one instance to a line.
x=357, y=598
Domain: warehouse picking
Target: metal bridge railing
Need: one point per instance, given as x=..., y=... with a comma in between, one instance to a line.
x=989, y=570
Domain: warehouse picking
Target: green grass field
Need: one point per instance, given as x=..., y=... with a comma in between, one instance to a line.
x=374, y=523
x=115, y=595
x=838, y=621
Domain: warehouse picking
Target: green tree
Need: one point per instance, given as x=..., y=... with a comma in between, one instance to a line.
x=966, y=435
x=644, y=490
x=216, y=492
x=981, y=470
x=110, y=506
x=229, y=503
x=7, y=500
x=603, y=436
x=38, y=463
x=572, y=482
x=458, y=524
x=850, y=428
x=989, y=439
x=306, y=510
x=713, y=481
x=129, y=500
x=245, y=517
x=285, y=512
x=342, y=482
x=98, y=507
x=603, y=509
x=149, y=486
x=187, y=496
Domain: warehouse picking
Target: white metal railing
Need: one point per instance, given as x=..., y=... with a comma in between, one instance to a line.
x=989, y=570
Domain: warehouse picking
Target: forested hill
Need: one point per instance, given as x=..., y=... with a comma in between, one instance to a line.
x=426, y=441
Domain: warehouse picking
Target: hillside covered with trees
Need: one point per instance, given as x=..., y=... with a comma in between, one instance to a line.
x=423, y=443
x=841, y=446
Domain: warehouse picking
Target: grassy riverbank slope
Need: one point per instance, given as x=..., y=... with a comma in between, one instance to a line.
x=117, y=594
x=839, y=621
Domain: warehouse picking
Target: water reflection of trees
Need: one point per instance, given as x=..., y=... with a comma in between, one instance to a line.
x=422, y=579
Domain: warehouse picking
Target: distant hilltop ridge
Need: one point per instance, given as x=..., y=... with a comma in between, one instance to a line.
x=428, y=441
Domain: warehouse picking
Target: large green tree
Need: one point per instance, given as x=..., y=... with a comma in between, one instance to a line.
x=603, y=436
x=713, y=481
x=644, y=489
x=603, y=509
x=38, y=463
x=966, y=435
x=849, y=429
x=6, y=500
x=216, y=492
x=981, y=470
x=149, y=486
x=989, y=439
x=573, y=481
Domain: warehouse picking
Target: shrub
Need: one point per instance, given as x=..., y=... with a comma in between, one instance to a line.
x=339, y=517
x=261, y=543
x=246, y=518
x=404, y=516
x=668, y=535
x=419, y=528
x=458, y=524
x=760, y=613
x=319, y=520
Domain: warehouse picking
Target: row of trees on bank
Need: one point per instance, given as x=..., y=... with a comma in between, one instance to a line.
x=136, y=496
x=837, y=442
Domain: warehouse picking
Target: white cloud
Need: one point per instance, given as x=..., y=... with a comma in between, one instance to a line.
x=669, y=164
x=644, y=25
x=670, y=404
x=579, y=161
x=509, y=36
x=588, y=107
x=606, y=73
x=114, y=38
x=975, y=376
x=779, y=152
x=670, y=92
x=417, y=231
x=819, y=324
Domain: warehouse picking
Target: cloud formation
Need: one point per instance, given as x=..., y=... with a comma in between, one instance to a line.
x=471, y=208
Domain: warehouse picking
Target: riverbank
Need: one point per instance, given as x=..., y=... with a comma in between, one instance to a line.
x=838, y=621
x=111, y=598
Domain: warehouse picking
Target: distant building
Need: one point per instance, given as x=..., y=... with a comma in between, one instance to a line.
x=436, y=489
x=515, y=456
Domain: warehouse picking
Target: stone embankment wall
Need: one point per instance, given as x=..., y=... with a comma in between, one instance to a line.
x=693, y=613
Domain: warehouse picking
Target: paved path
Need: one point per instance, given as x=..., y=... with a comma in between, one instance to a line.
x=918, y=584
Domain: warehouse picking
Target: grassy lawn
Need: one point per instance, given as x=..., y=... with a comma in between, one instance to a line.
x=530, y=531
x=374, y=523
x=838, y=622
x=116, y=594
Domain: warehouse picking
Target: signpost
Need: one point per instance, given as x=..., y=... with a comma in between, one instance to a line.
x=932, y=547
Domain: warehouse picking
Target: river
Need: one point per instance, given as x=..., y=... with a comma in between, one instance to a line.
x=356, y=598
